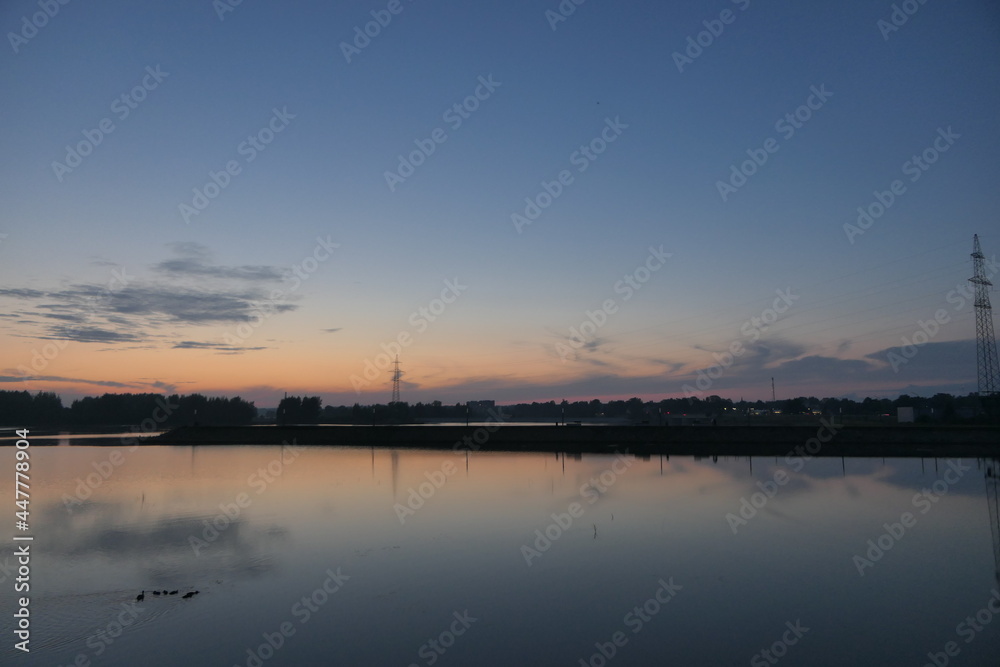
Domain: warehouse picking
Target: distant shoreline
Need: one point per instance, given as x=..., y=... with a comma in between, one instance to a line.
x=818, y=440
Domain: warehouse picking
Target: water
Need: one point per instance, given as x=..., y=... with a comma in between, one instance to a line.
x=323, y=556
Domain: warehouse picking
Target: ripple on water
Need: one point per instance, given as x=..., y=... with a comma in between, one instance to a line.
x=66, y=625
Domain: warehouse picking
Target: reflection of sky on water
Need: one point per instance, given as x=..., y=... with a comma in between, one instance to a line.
x=310, y=510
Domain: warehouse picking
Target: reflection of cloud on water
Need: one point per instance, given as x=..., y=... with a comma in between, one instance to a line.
x=772, y=510
x=162, y=548
x=740, y=478
x=969, y=484
x=903, y=474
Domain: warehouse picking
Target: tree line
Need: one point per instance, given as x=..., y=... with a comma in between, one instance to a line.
x=20, y=408
x=23, y=409
x=940, y=407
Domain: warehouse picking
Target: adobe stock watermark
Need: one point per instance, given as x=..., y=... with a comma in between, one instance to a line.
x=302, y=611
x=40, y=359
x=420, y=320
x=926, y=331
x=635, y=620
x=435, y=648
x=796, y=459
x=787, y=126
x=751, y=330
x=230, y=512
x=104, y=637
x=591, y=491
x=968, y=629
x=581, y=158
x=455, y=116
x=629, y=284
x=122, y=107
x=103, y=470
x=418, y=496
x=923, y=501
x=696, y=44
x=779, y=649
x=915, y=167
x=364, y=34
x=248, y=149
x=425, y=490
x=7, y=569
x=562, y=12
x=276, y=302
x=223, y=7
x=118, y=281
x=898, y=17
x=31, y=25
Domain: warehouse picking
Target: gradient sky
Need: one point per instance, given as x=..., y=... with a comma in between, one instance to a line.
x=101, y=272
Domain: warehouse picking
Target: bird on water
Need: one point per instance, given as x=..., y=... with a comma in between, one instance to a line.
x=173, y=593
x=140, y=597
x=156, y=592
x=189, y=594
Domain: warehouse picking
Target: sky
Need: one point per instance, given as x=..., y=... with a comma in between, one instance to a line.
x=526, y=201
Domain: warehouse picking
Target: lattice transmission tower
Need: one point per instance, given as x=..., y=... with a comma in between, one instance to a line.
x=986, y=345
x=396, y=374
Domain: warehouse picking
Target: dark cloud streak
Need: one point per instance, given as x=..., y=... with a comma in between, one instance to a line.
x=146, y=311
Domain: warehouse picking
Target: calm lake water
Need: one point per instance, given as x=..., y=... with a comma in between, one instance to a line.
x=323, y=556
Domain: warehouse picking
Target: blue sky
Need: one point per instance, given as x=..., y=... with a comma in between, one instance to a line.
x=345, y=124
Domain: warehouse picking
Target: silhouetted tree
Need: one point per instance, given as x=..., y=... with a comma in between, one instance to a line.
x=310, y=409
x=288, y=410
x=794, y=406
x=20, y=409
x=299, y=410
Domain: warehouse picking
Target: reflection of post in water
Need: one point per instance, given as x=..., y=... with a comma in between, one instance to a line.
x=992, y=486
x=394, y=466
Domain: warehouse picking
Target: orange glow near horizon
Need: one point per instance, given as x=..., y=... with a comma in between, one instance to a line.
x=451, y=369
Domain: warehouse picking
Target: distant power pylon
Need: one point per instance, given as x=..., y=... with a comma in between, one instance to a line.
x=986, y=345
x=396, y=374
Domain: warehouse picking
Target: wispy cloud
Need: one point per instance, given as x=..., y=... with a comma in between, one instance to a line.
x=140, y=384
x=92, y=335
x=222, y=348
x=22, y=293
x=187, y=306
x=194, y=260
x=190, y=291
x=58, y=378
x=169, y=387
x=936, y=367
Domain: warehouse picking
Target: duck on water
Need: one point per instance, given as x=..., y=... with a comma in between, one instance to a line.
x=142, y=596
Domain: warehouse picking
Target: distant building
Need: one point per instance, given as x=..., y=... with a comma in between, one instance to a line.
x=480, y=406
